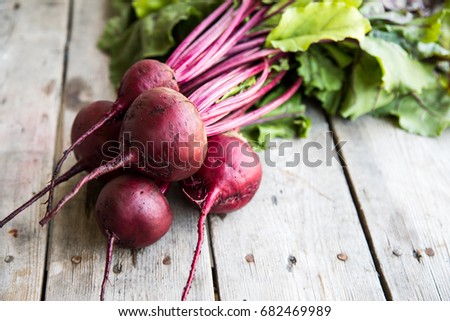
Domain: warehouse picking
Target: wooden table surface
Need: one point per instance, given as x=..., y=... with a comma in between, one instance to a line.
x=375, y=229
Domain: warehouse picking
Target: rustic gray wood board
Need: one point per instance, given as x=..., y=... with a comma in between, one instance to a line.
x=402, y=182
x=74, y=258
x=284, y=244
x=31, y=67
x=77, y=247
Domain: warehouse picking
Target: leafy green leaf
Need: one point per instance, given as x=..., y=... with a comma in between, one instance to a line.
x=116, y=25
x=371, y=8
x=280, y=65
x=399, y=70
x=289, y=128
x=322, y=78
x=419, y=50
x=444, y=38
x=427, y=114
x=147, y=37
x=144, y=7
x=302, y=3
x=353, y=3
x=338, y=54
x=318, y=71
x=431, y=49
x=111, y=33
x=300, y=26
x=331, y=100
x=394, y=17
x=376, y=11
x=365, y=92
x=395, y=38
x=380, y=74
x=287, y=121
x=128, y=39
x=425, y=29
x=121, y=5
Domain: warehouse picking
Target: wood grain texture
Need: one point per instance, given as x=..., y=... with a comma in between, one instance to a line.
x=76, y=253
x=77, y=247
x=299, y=239
x=284, y=244
x=31, y=67
x=402, y=182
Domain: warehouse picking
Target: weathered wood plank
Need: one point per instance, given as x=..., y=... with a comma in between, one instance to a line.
x=402, y=182
x=284, y=244
x=31, y=67
x=161, y=270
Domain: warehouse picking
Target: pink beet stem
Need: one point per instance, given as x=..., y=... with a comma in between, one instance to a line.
x=252, y=43
x=238, y=100
x=279, y=10
x=77, y=168
x=214, y=75
x=276, y=117
x=227, y=40
x=218, y=89
x=109, y=252
x=214, y=87
x=242, y=106
x=205, y=209
x=108, y=167
x=197, y=31
x=193, y=64
x=227, y=65
x=257, y=18
x=254, y=34
x=163, y=186
x=209, y=98
x=200, y=46
x=205, y=96
x=240, y=111
x=252, y=116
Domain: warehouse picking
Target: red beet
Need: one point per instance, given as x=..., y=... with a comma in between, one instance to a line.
x=133, y=213
x=166, y=135
x=143, y=75
x=103, y=144
x=228, y=180
x=162, y=136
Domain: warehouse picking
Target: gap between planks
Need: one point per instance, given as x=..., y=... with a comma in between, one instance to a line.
x=400, y=184
x=359, y=211
x=212, y=255
x=59, y=136
x=24, y=277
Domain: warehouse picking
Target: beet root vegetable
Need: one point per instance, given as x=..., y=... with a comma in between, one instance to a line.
x=173, y=133
x=132, y=213
x=161, y=136
x=143, y=75
x=228, y=180
x=100, y=147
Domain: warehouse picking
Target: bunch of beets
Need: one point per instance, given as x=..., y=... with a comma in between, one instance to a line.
x=176, y=122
